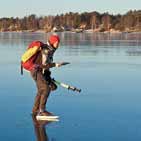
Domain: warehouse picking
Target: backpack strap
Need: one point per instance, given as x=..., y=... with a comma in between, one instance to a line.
x=21, y=68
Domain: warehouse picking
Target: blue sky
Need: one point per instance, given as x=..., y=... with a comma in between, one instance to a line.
x=21, y=8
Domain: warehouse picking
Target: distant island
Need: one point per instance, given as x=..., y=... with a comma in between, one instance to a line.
x=75, y=22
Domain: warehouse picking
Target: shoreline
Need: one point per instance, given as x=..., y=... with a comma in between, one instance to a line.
x=73, y=31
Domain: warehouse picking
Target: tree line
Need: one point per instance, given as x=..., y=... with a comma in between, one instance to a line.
x=131, y=21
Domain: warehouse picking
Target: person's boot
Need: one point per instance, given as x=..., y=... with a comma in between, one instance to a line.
x=48, y=113
x=45, y=115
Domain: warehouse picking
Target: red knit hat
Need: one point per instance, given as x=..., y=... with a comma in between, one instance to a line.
x=53, y=39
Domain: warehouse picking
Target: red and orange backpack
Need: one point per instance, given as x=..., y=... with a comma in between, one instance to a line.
x=28, y=58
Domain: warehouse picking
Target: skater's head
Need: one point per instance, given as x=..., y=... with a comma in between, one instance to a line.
x=54, y=41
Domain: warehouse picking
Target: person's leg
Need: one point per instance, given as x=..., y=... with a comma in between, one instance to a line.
x=42, y=94
x=43, y=90
x=35, y=108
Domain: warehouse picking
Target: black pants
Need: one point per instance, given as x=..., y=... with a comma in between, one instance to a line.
x=44, y=86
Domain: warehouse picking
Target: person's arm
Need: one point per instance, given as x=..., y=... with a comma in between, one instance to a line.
x=48, y=65
x=51, y=65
